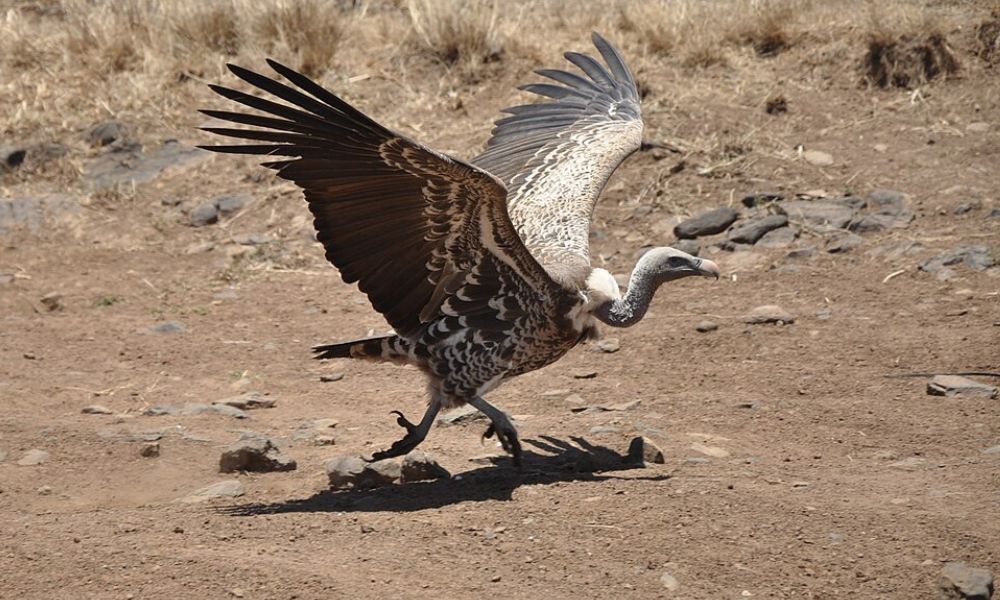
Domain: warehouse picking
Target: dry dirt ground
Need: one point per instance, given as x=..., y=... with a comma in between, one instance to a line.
x=794, y=468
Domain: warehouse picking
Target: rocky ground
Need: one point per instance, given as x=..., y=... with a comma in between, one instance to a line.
x=822, y=422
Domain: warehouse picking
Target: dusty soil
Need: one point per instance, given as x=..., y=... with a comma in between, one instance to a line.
x=794, y=467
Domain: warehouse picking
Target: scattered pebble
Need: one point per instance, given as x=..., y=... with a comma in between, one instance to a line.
x=644, y=450
x=769, y=313
x=608, y=345
x=168, y=327
x=107, y=133
x=781, y=237
x=706, y=326
x=584, y=374
x=53, y=302
x=204, y=214
x=97, y=409
x=420, y=466
x=955, y=385
x=669, y=582
x=331, y=377
x=978, y=127
x=45, y=490
x=707, y=223
x=966, y=207
x=343, y=471
x=958, y=581
x=33, y=458
x=255, y=453
x=318, y=432
x=843, y=242
x=194, y=408
x=247, y=401
x=977, y=257
x=818, y=158
x=990, y=450
x=230, y=488
x=819, y=213
x=612, y=429
x=752, y=231
x=228, y=205
x=150, y=450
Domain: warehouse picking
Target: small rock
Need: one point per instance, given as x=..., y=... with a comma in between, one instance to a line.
x=990, y=450
x=707, y=223
x=608, y=345
x=644, y=450
x=574, y=399
x=843, y=242
x=131, y=164
x=669, y=582
x=769, y=313
x=706, y=326
x=995, y=213
x=168, y=327
x=713, y=451
x=878, y=222
x=781, y=237
x=761, y=199
x=977, y=257
x=751, y=231
x=318, y=432
x=107, y=133
x=612, y=429
x=11, y=157
x=378, y=474
x=194, y=408
x=462, y=414
x=343, y=471
x=331, y=377
x=978, y=127
x=150, y=450
x=252, y=239
x=224, y=489
x=691, y=247
x=420, y=466
x=228, y=205
x=33, y=458
x=966, y=207
x=3, y=454
x=888, y=202
x=880, y=148
x=129, y=436
x=256, y=453
x=584, y=374
x=248, y=401
x=818, y=213
x=204, y=214
x=53, y=302
x=45, y=490
x=955, y=385
x=818, y=158
x=959, y=581
x=96, y=409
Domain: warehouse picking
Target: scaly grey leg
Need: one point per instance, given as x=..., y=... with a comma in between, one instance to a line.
x=501, y=426
x=414, y=433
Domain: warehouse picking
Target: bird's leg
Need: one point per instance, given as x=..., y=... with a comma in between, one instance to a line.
x=501, y=426
x=414, y=433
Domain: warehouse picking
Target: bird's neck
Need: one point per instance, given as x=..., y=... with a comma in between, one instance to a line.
x=630, y=309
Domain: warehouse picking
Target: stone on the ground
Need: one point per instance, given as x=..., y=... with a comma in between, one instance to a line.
x=12, y=157
x=168, y=327
x=255, y=453
x=53, y=302
x=879, y=222
x=33, y=458
x=888, y=202
x=420, y=466
x=229, y=205
x=707, y=223
x=978, y=127
x=3, y=455
x=318, y=432
x=706, y=326
x=194, y=408
x=608, y=345
x=769, y=313
x=781, y=237
x=644, y=450
x=976, y=256
x=713, y=451
x=761, y=198
x=150, y=450
x=97, y=409
x=378, y=474
x=958, y=386
x=230, y=488
x=117, y=434
x=343, y=471
x=584, y=373
x=461, y=414
x=959, y=581
x=966, y=207
x=107, y=133
x=32, y=213
x=751, y=231
x=690, y=246
x=823, y=214
x=132, y=164
x=818, y=158
x=248, y=401
x=843, y=242
x=204, y=214
x=669, y=582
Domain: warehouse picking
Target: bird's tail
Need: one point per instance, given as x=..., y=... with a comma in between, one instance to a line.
x=384, y=348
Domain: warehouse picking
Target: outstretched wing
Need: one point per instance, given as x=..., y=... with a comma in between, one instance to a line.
x=414, y=228
x=555, y=157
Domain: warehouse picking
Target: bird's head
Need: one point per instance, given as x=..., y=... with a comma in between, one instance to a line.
x=664, y=264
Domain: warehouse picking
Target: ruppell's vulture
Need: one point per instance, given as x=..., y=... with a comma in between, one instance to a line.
x=481, y=267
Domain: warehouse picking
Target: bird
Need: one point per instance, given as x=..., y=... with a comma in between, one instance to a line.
x=482, y=268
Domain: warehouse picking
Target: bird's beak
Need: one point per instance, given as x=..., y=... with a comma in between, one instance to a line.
x=708, y=268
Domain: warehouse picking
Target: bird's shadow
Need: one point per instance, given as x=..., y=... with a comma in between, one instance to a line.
x=556, y=460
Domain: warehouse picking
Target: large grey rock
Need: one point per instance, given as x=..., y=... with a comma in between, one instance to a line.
x=975, y=256
x=255, y=453
x=343, y=471
x=751, y=231
x=781, y=237
x=769, y=313
x=644, y=450
x=224, y=489
x=956, y=385
x=133, y=165
x=889, y=202
x=880, y=221
x=822, y=214
x=248, y=401
x=32, y=213
x=707, y=223
x=690, y=246
x=204, y=214
x=959, y=581
x=228, y=205
x=843, y=242
x=420, y=466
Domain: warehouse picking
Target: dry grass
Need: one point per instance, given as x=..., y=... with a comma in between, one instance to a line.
x=466, y=34
x=906, y=47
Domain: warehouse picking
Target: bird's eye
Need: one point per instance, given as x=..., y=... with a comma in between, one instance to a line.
x=676, y=262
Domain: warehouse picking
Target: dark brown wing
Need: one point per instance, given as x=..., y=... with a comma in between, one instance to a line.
x=408, y=224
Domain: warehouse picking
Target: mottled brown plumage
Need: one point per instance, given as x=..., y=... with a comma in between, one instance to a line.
x=482, y=268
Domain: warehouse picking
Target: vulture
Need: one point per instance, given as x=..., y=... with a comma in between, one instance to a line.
x=481, y=267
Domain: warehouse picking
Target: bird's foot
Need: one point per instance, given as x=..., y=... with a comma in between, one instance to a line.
x=507, y=435
x=414, y=435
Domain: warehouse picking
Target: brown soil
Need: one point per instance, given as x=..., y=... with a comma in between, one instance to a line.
x=823, y=478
